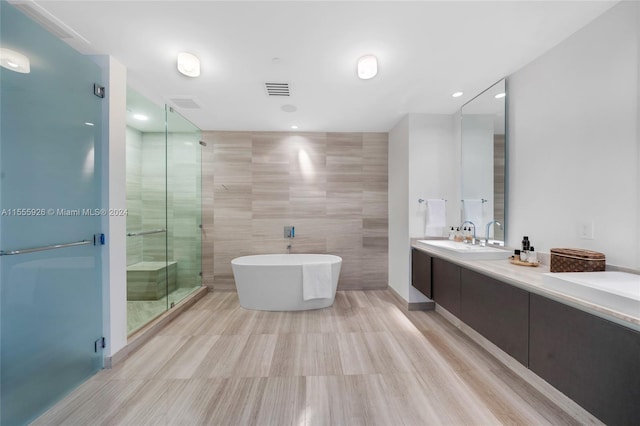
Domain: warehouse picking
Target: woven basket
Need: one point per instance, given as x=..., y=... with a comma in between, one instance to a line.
x=576, y=260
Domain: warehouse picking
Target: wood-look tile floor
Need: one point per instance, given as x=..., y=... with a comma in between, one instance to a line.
x=361, y=362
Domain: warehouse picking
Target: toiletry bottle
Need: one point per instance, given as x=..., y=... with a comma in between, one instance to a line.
x=532, y=256
x=525, y=248
x=516, y=254
x=523, y=255
x=458, y=236
x=452, y=234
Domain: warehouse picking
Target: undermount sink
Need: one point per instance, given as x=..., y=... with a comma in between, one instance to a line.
x=612, y=289
x=468, y=251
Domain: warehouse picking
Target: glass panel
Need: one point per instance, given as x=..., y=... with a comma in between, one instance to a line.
x=50, y=301
x=484, y=163
x=147, y=271
x=183, y=205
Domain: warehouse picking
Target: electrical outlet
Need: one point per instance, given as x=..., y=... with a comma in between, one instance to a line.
x=585, y=230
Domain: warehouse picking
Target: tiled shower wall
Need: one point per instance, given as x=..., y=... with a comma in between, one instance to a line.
x=331, y=186
x=163, y=193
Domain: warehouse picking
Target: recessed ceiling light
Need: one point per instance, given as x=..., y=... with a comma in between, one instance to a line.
x=367, y=67
x=14, y=61
x=289, y=108
x=500, y=95
x=294, y=127
x=89, y=124
x=140, y=117
x=188, y=64
x=457, y=94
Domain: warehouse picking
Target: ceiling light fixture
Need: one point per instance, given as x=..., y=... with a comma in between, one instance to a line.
x=500, y=95
x=140, y=117
x=188, y=64
x=14, y=61
x=457, y=94
x=87, y=123
x=294, y=127
x=367, y=67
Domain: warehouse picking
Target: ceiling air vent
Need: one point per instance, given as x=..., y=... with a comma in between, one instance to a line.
x=277, y=89
x=184, y=103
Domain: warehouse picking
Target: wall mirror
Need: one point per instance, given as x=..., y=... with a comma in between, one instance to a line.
x=483, y=168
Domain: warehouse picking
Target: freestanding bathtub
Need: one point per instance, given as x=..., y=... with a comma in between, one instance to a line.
x=273, y=282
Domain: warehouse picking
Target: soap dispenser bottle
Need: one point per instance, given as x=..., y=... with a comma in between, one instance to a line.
x=525, y=249
x=452, y=234
x=458, y=236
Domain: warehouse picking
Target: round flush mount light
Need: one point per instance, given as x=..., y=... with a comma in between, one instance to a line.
x=289, y=108
x=457, y=94
x=500, y=95
x=294, y=127
x=188, y=64
x=14, y=61
x=367, y=67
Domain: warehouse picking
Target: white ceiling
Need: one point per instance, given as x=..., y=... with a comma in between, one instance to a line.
x=426, y=49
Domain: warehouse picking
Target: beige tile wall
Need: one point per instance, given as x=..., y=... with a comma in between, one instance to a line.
x=331, y=186
x=134, y=194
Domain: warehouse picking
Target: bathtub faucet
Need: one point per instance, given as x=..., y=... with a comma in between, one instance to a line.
x=289, y=231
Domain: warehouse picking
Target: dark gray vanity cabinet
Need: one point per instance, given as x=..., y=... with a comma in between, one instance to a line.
x=421, y=272
x=593, y=361
x=498, y=311
x=445, y=279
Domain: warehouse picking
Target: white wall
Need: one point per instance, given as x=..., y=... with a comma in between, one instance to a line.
x=638, y=132
x=573, y=141
x=399, y=241
x=433, y=168
x=114, y=262
x=423, y=163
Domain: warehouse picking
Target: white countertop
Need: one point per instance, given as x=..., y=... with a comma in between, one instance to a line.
x=531, y=279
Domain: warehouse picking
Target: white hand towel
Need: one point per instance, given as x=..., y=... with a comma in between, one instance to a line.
x=436, y=220
x=473, y=212
x=316, y=281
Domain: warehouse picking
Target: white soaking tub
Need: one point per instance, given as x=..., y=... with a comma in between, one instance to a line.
x=273, y=282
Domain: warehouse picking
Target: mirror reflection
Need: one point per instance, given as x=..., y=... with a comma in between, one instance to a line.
x=483, y=165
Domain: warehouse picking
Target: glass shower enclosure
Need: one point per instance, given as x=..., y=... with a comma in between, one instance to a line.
x=164, y=210
x=50, y=193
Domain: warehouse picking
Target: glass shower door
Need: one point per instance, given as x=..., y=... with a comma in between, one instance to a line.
x=50, y=196
x=183, y=205
x=148, y=274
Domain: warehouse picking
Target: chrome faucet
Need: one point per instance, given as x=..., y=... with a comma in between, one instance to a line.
x=486, y=236
x=473, y=241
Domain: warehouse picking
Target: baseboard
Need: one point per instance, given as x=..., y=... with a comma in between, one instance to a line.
x=412, y=306
x=142, y=336
x=566, y=403
x=421, y=306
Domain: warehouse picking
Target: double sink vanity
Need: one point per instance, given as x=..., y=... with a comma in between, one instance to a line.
x=578, y=334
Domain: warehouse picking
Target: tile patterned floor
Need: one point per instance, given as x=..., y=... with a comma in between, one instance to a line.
x=361, y=362
x=140, y=312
